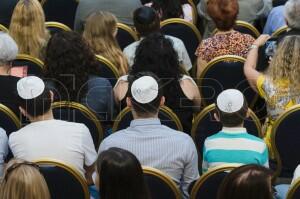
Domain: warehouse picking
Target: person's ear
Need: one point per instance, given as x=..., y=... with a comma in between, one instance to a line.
x=128, y=102
x=216, y=116
x=51, y=96
x=162, y=101
x=248, y=113
x=23, y=111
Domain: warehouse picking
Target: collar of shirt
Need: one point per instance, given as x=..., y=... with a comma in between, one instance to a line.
x=234, y=130
x=145, y=122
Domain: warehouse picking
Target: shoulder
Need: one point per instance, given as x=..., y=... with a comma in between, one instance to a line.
x=277, y=10
x=3, y=135
x=112, y=138
x=178, y=136
x=187, y=81
x=175, y=40
x=254, y=138
x=71, y=126
x=247, y=37
x=130, y=49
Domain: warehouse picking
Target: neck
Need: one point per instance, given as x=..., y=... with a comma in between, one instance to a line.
x=46, y=116
x=4, y=69
x=224, y=32
x=144, y=116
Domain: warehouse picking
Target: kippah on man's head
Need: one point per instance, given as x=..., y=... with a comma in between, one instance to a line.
x=30, y=87
x=144, y=89
x=230, y=101
x=232, y=108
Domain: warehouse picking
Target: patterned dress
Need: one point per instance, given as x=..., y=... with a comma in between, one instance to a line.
x=278, y=98
x=232, y=43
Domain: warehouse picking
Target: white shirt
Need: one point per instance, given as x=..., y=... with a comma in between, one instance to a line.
x=65, y=141
x=3, y=148
x=178, y=45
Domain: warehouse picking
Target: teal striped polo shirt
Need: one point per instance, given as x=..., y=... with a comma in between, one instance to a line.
x=234, y=145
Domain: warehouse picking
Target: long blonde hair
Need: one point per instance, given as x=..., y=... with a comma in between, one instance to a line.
x=23, y=180
x=99, y=32
x=285, y=64
x=27, y=28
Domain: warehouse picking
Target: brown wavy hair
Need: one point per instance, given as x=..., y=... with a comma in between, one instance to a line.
x=223, y=12
x=27, y=28
x=99, y=32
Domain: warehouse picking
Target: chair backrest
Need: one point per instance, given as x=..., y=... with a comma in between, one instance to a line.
x=63, y=180
x=195, y=12
x=285, y=140
x=8, y=120
x=187, y=32
x=108, y=70
x=126, y=35
x=75, y=112
x=246, y=28
x=280, y=31
x=3, y=28
x=294, y=190
x=166, y=116
x=60, y=11
x=35, y=66
x=207, y=186
x=55, y=27
x=160, y=185
x=222, y=73
x=205, y=125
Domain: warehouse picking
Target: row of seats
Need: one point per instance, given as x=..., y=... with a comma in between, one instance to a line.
x=179, y=28
x=284, y=135
x=65, y=182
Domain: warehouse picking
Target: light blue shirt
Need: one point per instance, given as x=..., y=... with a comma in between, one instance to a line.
x=3, y=149
x=161, y=147
x=275, y=20
x=234, y=145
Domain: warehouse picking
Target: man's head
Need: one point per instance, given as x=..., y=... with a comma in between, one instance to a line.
x=145, y=95
x=292, y=13
x=232, y=108
x=35, y=98
x=146, y=21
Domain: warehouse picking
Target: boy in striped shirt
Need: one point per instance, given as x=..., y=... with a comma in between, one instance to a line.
x=233, y=144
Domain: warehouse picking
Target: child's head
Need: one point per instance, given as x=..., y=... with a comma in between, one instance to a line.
x=232, y=108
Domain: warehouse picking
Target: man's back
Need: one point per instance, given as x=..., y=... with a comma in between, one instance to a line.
x=234, y=145
x=66, y=141
x=121, y=9
x=158, y=146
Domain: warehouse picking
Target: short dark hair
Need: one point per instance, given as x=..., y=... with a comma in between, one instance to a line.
x=223, y=12
x=151, y=107
x=37, y=106
x=146, y=21
x=120, y=175
x=233, y=119
x=247, y=182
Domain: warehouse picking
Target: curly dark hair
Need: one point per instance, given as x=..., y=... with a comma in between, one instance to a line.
x=70, y=61
x=168, y=8
x=157, y=55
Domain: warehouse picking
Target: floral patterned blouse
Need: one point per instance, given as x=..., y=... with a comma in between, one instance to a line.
x=232, y=43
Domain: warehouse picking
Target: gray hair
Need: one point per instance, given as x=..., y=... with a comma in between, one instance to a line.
x=292, y=13
x=8, y=48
